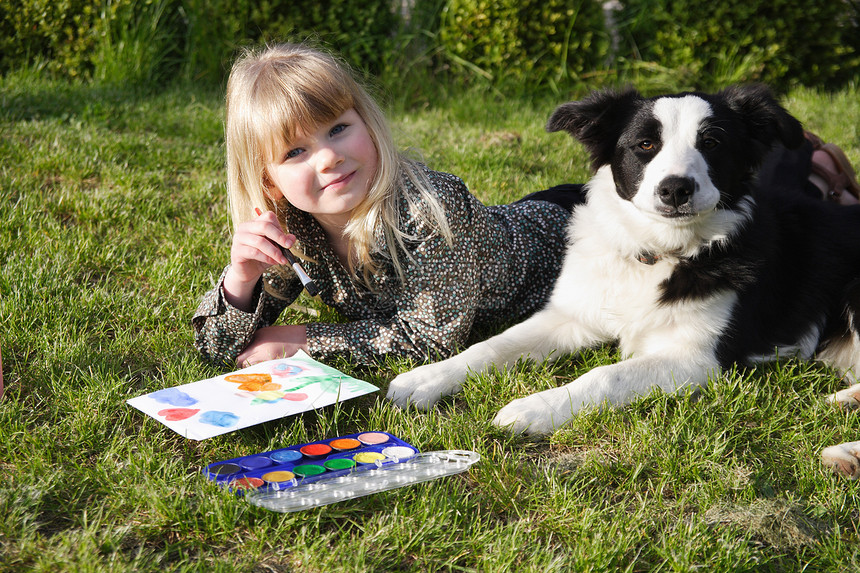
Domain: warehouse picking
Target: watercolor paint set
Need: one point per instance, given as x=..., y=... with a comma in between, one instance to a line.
x=306, y=463
x=318, y=473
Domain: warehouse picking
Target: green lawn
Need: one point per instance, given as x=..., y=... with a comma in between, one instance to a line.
x=113, y=222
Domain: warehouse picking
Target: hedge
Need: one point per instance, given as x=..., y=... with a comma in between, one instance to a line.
x=815, y=43
x=525, y=42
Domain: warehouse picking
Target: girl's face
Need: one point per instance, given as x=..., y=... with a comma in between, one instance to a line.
x=328, y=172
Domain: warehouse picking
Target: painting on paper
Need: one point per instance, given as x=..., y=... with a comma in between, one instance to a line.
x=259, y=393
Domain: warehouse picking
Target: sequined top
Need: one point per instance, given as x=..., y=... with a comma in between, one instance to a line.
x=500, y=269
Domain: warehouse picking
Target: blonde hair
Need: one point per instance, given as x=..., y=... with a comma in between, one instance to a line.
x=285, y=90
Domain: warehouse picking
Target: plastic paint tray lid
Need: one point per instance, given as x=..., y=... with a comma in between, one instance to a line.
x=419, y=468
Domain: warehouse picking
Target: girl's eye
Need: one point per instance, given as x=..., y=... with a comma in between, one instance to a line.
x=337, y=129
x=293, y=153
x=646, y=145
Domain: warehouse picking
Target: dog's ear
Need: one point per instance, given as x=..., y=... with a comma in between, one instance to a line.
x=596, y=121
x=767, y=121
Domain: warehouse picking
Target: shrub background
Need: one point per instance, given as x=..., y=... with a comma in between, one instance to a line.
x=532, y=41
x=813, y=43
x=525, y=45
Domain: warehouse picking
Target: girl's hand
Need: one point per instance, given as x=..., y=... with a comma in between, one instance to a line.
x=255, y=248
x=274, y=342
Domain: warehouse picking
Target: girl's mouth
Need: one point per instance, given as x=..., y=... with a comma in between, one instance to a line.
x=340, y=182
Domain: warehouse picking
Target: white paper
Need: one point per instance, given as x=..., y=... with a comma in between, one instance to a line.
x=259, y=393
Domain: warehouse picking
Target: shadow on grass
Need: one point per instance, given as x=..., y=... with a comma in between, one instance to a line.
x=169, y=112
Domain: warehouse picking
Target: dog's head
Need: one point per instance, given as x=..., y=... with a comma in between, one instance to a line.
x=680, y=155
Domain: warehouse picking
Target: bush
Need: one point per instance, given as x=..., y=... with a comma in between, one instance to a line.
x=360, y=32
x=528, y=43
x=215, y=29
x=147, y=41
x=705, y=44
x=139, y=42
x=541, y=42
x=121, y=41
x=59, y=32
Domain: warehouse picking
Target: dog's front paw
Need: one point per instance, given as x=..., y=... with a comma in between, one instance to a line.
x=843, y=459
x=422, y=387
x=540, y=413
x=848, y=399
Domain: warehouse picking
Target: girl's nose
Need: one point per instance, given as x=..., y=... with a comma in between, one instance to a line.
x=328, y=158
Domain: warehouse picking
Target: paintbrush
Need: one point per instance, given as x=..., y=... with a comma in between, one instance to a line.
x=307, y=281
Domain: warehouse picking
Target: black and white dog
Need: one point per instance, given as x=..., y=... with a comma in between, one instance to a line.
x=680, y=258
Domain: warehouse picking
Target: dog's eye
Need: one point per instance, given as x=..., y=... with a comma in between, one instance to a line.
x=646, y=145
x=710, y=142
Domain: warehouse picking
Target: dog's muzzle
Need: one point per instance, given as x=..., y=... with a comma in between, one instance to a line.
x=675, y=194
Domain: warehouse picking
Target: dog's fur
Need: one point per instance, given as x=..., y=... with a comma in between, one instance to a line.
x=682, y=260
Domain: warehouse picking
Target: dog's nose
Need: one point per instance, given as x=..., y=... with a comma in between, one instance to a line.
x=675, y=190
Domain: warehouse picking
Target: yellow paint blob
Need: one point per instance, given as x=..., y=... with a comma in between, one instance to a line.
x=278, y=476
x=368, y=457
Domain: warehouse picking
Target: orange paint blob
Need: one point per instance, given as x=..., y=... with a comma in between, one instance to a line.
x=344, y=444
x=243, y=378
x=257, y=387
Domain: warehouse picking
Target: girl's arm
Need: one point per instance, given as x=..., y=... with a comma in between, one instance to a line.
x=237, y=307
x=223, y=331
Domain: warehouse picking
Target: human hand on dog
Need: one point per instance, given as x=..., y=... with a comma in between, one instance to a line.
x=255, y=248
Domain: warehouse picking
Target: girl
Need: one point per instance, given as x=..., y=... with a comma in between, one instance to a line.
x=406, y=254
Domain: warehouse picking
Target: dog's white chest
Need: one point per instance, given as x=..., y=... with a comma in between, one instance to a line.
x=618, y=298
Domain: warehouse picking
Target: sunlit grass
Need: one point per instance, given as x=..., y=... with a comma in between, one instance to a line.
x=113, y=222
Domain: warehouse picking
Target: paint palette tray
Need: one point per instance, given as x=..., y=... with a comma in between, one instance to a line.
x=417, y=469
x=318, y=473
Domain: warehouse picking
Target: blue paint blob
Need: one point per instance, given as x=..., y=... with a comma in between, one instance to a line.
x=220, y=419
x=287, y=369
x=284, y=456
x=173, y=397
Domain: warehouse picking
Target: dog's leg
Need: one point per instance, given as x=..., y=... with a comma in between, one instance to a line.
x=533, y=338
x=843, y=459
x=843, y=355
x=612, y=385
x=848, y=398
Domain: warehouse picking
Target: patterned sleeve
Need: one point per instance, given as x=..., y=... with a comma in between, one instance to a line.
x=436, y=303
x=222, y=331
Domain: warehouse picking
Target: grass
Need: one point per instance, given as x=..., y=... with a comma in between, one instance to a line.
x=113, y=222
